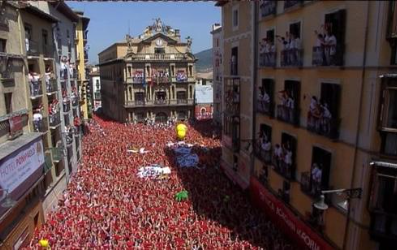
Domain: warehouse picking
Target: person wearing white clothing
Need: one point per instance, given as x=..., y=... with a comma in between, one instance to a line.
x=316, y=178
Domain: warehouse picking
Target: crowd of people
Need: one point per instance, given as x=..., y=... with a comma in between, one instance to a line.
x=107, y=206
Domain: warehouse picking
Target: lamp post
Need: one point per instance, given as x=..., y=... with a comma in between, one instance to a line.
x=354, y=193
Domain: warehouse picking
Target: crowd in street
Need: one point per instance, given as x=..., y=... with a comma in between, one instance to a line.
x=107, y=206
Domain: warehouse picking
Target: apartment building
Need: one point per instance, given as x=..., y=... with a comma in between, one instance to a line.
x=324, y=130
x=82, y=60
x=217, y=66
x=149, y=77
x=95, y=88
x=238, y=72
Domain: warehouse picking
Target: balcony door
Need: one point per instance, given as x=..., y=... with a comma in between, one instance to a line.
x=320, y=170
x=234, y=61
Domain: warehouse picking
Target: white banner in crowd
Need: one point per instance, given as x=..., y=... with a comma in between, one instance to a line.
x=14, y=171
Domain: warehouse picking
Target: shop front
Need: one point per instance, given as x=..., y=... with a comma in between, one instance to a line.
x=21, y=190
x=285, y=219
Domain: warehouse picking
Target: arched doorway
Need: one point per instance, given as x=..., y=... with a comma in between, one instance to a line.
x=161, y=117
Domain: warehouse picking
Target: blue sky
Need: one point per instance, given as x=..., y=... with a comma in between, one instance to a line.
x=109, y=21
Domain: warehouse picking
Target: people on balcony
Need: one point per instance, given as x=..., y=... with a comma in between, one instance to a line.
x=264, y=100
x=72, y=70
x=266, y=147
x=34, y=79
x=37, y=118
x=316, y=178
x=319, y=117
x=292, y=45
x=287, y=109
x=48, y=76
x=64, y=67
x=326, y=46
x=53, y=111
x=267, y=51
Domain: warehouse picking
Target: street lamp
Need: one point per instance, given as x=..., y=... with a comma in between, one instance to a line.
x=352, y=193
x=8, y=202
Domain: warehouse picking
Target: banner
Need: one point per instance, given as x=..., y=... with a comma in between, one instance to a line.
x=17, y=168
x=285, y=220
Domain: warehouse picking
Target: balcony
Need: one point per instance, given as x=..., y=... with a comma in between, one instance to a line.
x=327, y=56
x=383, y=225
x=97, y=95
x=35, y=90
x=48, y=51
x=75, y=101
x=291, y=58
x=264, y=155
x=54, y=120
x=264, y=107
x=40, y=125
x=3, y=21
x=312, y=188
x=52, y=86
x=48, y=162
x=138, y=80
x=159, y=57
x=181, y=101
x=56, y=154
x=283, y=168
x=323, y=126
x=233, y=69
x=181, y=77
x=66, y=106
x=32, y=48
x=268, y=59
x=160, y=79
x=289, y=115
x=139, y=102
x=268, y=8
x=291, y=3
x=161, y=102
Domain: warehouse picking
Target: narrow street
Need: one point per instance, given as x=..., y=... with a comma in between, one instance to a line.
x=108, y=206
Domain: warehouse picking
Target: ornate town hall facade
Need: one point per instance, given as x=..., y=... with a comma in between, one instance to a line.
x=151, y=76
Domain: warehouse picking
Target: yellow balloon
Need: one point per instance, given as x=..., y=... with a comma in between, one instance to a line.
x=43, y=243
x=181, y=131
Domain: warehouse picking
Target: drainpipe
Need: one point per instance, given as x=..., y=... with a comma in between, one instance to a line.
x=345, y=237
x=254, y=78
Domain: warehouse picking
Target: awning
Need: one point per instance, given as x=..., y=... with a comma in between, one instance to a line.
x=384, y=164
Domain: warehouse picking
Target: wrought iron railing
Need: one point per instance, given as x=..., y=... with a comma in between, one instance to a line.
x=32, y=48
x=268, y=59
x=291, y=58
x=40, y=125
x=160, y=102
x=52, y=85
x=327, y=56
x=54, y=119
x=264, y=107
x=181, y=101
x=35, y=89
x=159, y=57
x=328, y=127
x=268, y=8
x=283, y=168
x=289, y=115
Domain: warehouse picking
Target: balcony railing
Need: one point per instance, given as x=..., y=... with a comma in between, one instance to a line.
x=327, y=56
x=52, y=85
x=35, y=89
x=292, y=3
x=97, y=95
x=233, y=69
x=289, y=115
x=138, y=80
x=181, y=101
x=265, y=107
x=268, y=8
x=54, y=119
x=159, y=57
x=268, y=59
x=7, y=82
x=305, y=182
x=311, y=187
x=56, y=154
x=283, y=168
x=32, y=48
x=160, y=102
x=139, y=103
x=324, y=126
x=291, y=58
x=263, y=155
x=75, y=101
x=66, y=106
x=40, y=125
x=48, y=51
x=160, y=79
x=3, y=21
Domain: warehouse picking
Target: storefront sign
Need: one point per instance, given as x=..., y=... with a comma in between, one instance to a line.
x=16, y=126
x=227, y=141
x=290, y=224
x=18, y=167
x=233, y=175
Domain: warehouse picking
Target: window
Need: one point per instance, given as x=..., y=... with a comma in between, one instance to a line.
x=284, y=156
x=97, y=84
x=291, y=3
x=234, y=61
x=264, y=144
x=172, y=70
x=190, y=70
x=217, y=42
x=44, y=34
x=268, y=8
x=3, y=45
x=140, y=96
x=181, y=95
x=28, y=32
x=392, y=20
x=265, y=97
x=67, y=34
x=8, y=102
x=388, y=117
x=235, y=18
x=288, y=110
x=320, y=171
x=159, y=50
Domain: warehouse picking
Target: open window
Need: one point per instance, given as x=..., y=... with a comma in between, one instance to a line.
x=234, y=61
x=267, y=50
x=265, y=102
x=268, y=8
x=3, y=43
x=264, y=144
x=291, y=55
x=323, y=115
x=284, y=156
x=388, y=117
x=320, y=172
x=288, y=109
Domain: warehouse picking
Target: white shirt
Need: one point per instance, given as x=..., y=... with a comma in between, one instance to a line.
x=313, y=105
x=326, y=113
x=266, y=98
x=330, y=40
x=278, y=151
x=290, y=103
x=37, y=117
x=266, y=146
x=288, y=157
